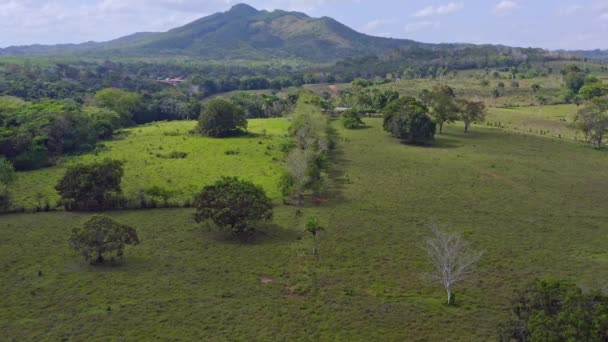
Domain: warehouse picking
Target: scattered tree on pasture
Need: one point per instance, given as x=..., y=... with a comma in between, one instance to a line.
x=593, y=121
x=91, y=186
x=314, y=228
x=451, y=257
x=574, y=77
x=221, y=118
x=101, y=236
x=442, y=108
x=470, y=111
x=352, y=120
x=495, y=94
x=408, y=120
x=233, y=205
x=535, y=87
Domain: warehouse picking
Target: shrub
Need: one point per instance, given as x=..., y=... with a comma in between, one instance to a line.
x=5, y=200
x=91, y=187
x=556, y=310
x=221, y=118
x=232, y=152
x=175, y=155
x=7, y=176
x=352, y=120
x=100, y=236
x=233, y=205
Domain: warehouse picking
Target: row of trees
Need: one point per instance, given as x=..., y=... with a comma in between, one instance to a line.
x=307, y=151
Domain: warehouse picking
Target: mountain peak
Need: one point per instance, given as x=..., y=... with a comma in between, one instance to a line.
x=243, y=9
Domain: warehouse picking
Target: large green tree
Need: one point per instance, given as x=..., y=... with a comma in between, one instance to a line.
x=442, y=106
x=221, y=118
x=101, y=236
x=91, y=186
x=593, y=121
x=470, y=111
x=408, y=120
x=233, y=205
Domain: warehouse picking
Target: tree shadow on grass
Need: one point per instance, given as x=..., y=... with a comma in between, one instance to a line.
x=338, y=176
x=131, y=264
x=444, y=141
x=268, y=233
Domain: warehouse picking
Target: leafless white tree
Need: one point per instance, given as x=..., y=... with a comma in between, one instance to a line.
x=451, y=257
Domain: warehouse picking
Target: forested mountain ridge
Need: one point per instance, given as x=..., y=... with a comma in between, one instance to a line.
x=240, y=33
x=243, y=32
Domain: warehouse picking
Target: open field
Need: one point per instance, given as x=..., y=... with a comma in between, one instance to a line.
x=534, y=205
x=146, y=149
x=471, y=87
x=551, y=121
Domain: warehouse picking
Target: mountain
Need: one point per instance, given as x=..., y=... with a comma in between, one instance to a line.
x=240, y=33
x=243, y=32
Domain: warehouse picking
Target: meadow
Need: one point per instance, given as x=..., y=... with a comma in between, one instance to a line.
x=148, y=150
x=534, y=205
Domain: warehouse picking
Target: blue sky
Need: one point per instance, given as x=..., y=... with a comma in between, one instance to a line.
x=552, y=24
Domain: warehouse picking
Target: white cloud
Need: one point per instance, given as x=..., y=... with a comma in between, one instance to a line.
x=446, y=9
x=505, y=7
x=377, y=24
x=421, y=25
x=569, y=9
x=50, y=22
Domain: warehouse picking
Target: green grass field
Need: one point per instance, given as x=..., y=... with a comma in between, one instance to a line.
x=469, y=85
x=145, y=147
x=551, y=121
x=535, y=206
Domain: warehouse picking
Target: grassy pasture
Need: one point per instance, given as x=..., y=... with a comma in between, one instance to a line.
x=146, y=149
x=535, y=206
x=551, y=121
x=469, y=86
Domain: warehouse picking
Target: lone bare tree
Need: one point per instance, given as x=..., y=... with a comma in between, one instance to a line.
x=451, y=257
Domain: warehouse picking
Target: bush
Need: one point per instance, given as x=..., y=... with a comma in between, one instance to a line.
x=233, y=205
x=232, y=152
x=221, y=118
x=91, y=187
x=556, y=311
x=352, y=120
x=102, y=235
x=408, y=120
x=174, y=155
x=5, y=200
